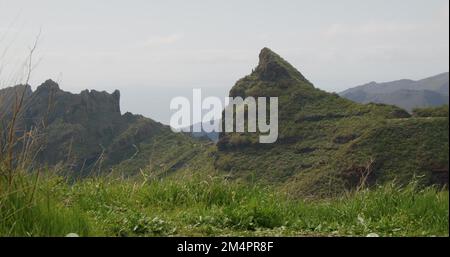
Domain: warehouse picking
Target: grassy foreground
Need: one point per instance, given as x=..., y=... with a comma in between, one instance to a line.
x=211, y=207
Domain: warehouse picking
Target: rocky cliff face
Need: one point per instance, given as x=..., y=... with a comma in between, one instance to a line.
x=92, y=109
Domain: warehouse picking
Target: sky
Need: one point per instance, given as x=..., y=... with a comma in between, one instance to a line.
x=155, y=50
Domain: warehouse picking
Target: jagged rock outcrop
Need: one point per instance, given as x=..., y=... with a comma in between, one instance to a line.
x=84, y=131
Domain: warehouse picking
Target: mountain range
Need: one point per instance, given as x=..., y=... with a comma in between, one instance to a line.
x=87, y=133
x=405, y=93
x=326, y=145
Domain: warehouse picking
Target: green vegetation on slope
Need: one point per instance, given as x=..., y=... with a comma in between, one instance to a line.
x=86, y=133
x=167, y=154
x=205, y=207
x=441, y=111
x=326, y=143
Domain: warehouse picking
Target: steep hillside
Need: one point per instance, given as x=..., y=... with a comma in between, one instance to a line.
x=407, y=94
x=327, y=143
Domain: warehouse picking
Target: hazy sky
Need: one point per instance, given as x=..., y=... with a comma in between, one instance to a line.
x=154, y=50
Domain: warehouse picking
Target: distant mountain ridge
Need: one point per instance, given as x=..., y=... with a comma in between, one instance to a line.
x=405, y=93
x=86, y=131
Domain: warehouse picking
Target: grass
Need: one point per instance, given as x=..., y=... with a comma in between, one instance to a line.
x=213, y=207
x=29, y=210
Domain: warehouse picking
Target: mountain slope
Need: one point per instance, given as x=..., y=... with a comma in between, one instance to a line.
x=407, y=94
x=211, y=136
x=87, y=133
x=317, y=130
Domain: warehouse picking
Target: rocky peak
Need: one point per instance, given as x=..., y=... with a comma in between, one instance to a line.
x=102, y=101
x=272, y=67
x=273, y=76
x=50, y=84
x=91, y=101
x=50, y=103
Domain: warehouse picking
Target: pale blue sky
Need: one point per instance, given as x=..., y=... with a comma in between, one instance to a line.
x=153, y=50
